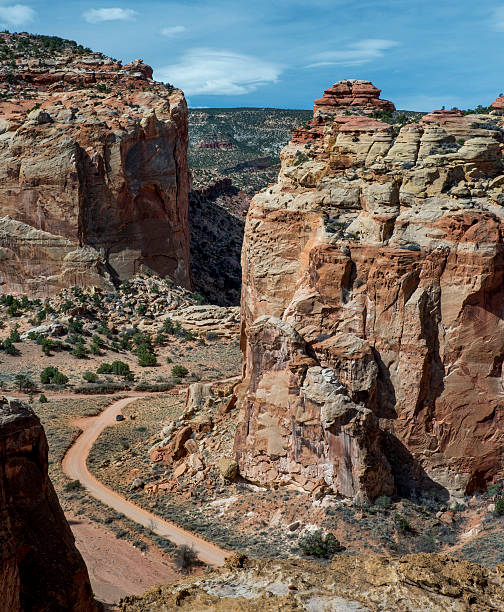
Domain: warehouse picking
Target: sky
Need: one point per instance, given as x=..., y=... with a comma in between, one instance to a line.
x=423, y=54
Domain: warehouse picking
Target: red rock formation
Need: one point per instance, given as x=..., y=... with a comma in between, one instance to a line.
x=94, y=181
x=351, y=95
x=499, y=103
x=372, y=320
x=40, y=567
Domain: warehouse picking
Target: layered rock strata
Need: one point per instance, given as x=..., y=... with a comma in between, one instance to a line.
x=94, y=176
x=372, y=309
x=40, y=567
x=354, y=95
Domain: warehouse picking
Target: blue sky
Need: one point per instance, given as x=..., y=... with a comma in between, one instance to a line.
x=284, y=53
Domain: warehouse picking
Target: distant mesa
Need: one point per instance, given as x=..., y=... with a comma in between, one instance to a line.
x=361, y=97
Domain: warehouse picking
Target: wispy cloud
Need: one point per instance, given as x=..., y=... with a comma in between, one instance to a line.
x=358, y=53
x=109, y=14
x=16, y=14
x=173, y=30
x=218, y=72
x=498, y=19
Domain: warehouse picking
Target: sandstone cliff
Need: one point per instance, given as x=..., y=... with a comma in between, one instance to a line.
x=372, y=309
x=40, y=568
x=94, y=177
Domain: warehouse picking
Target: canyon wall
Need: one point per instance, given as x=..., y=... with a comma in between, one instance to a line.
x=373, y=309
x=94, y=178
x=40, y=567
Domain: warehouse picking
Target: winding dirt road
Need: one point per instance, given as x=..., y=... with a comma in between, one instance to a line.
x=74, y=465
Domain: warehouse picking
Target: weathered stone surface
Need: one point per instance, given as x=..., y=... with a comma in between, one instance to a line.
x=351, y=94
x=414, y=583
x=94, y=182
x=40, y=567
x=372, y=309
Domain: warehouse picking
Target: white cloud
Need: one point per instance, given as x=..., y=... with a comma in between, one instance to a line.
x=17, y=14
x=499, y=19
x=361, y=52
x=214, y=72
x=173, y=30
x=109, y=14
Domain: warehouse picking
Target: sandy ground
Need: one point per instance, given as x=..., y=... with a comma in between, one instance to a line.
x=74, y=465
x=116, y=568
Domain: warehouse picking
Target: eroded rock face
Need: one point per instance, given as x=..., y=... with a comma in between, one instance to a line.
x=40, y=567
x=94, y=177
x=351, y=94
x=372, y=309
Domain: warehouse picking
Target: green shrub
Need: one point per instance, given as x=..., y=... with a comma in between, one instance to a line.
x=9, y=348
x=179, y=371
x=146, y=358
x=120, y=368
x=14, y=335
x=315, y=544
x=210, y=335
x=80, y=351
x=73, y=485
x=90, y=377
x=47, y=374
x=105, y=368
x=24, y=382
x=499, y=506
x=43, y=399
x=59, y=379
x=402, y=522
x=75, y=327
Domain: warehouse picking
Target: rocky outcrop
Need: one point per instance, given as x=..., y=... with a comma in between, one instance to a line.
x=499, y=103
x=413, y=583
x=372, y=318
x=94, y=180
x=352, y=95
x=40, y=567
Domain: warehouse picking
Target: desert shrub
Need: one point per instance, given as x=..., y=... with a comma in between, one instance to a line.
x=75, y=327
x=402, y=522
x=155, y=387
x=315, y=544
x=105, y=368
x=80, y=351
x=179, y=371
x=499, y=506
x=73, y=485
x=120, y=368
x=47, y=375
x=100, y=389
x=91, y=377
x=146, y=358
x=9, y=348
x=24, y=382
x=142, y=309
x=185, y=558
x=210, y=335
x=383, y=501
x=59, y=379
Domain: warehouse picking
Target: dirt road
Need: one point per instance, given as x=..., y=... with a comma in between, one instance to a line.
x=74, y=466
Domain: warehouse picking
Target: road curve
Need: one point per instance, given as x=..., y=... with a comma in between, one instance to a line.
x=74, y=465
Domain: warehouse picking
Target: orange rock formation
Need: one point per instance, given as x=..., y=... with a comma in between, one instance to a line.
x=372, y=309
x=94, y=181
